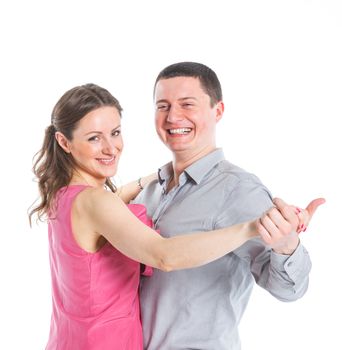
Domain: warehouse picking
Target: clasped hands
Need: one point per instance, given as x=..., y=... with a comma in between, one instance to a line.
x=279, y=226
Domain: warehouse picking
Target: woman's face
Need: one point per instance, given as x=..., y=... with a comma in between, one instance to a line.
x=97, y=144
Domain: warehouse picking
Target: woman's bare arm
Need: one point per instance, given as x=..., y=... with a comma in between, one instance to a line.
x=111, y=218
x=129, y=191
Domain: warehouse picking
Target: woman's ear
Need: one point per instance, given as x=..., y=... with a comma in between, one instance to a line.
x=63, y=141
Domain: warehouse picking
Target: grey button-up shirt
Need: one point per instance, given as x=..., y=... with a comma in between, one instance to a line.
x=201, y=308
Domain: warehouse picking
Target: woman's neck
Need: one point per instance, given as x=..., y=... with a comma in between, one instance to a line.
x=80, y=178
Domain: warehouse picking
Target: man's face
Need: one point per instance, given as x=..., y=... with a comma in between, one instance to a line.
x=184, y=119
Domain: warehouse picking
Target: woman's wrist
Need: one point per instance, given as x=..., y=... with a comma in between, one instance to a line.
x=140, y=185
x=144, y=181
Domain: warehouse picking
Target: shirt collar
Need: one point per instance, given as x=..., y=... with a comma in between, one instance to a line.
x=165, y=173
x=195, y=171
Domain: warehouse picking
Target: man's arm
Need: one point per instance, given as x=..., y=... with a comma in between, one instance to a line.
x=279, y=229
x=284, y=276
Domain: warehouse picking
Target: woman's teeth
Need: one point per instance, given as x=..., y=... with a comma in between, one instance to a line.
x=106, y=160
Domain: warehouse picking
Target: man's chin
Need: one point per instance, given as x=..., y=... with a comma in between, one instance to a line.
x=179, y=150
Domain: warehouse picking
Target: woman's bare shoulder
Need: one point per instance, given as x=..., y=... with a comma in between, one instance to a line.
x=96, y=198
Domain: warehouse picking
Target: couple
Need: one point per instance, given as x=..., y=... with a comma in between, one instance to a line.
x=214, y=239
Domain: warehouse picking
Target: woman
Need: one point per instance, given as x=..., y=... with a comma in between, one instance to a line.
x=96, y=241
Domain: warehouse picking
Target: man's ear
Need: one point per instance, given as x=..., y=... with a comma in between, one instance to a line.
x=219, y=110
x=63, y=141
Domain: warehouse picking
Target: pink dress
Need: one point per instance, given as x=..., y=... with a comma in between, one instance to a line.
x=95, y=295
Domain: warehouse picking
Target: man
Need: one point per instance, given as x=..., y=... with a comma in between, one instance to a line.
x=199, y=190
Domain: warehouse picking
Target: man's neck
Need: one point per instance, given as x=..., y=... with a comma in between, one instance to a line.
x=181, y=161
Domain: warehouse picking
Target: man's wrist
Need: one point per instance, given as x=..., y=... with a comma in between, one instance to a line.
x=288, y=247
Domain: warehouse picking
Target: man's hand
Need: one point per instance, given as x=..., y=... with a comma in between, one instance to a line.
x=280, y=225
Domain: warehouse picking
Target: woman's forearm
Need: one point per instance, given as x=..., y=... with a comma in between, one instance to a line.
x=199, y=248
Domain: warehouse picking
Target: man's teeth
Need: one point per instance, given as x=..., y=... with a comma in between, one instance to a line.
x=180, y=131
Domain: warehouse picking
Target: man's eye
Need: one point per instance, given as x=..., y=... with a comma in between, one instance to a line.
x=162, y=107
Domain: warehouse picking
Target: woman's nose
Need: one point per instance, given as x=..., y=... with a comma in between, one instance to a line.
x=109, y=146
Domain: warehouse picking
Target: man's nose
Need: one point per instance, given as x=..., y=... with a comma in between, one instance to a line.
x=174, y=115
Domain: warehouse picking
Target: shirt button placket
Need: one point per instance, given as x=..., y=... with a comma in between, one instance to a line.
x=167, y=198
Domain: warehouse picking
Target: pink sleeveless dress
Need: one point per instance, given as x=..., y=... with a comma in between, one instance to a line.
x=95, y=295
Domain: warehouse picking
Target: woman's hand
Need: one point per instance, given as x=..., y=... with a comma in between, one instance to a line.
x=129, y=191
x=280, y=225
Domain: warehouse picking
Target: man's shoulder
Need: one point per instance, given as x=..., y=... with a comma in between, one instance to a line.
x=244, y=196
x=234, y=173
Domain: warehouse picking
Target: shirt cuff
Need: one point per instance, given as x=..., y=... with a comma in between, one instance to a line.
x=297, y=265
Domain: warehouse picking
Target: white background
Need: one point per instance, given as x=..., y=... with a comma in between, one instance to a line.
x=279, y=63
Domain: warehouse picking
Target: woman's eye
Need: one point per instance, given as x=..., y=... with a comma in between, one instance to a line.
x=116, y=133
x=94, y=138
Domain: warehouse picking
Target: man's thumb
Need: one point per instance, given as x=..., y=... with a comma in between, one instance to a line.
x=313, y=205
